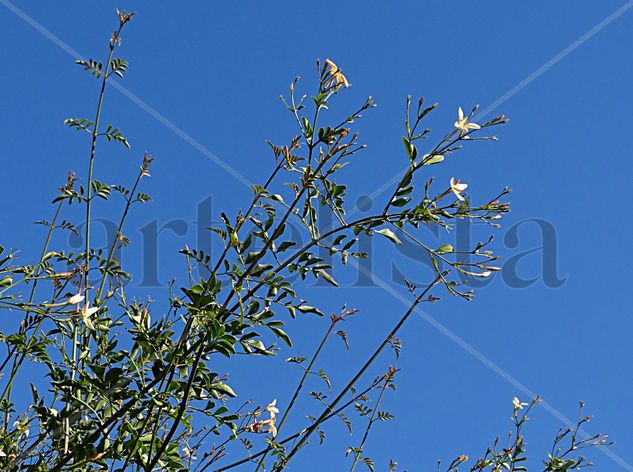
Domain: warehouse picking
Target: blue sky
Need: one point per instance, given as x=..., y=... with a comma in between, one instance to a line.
x=216, y=70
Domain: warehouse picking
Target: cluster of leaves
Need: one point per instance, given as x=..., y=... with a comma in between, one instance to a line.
x=132, y=386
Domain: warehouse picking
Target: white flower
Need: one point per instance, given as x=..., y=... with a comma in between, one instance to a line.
x=271, y=427
x=272, y=409
x=76, y=299
x=457, y=188
x=86, y=313
x=517, y=404
x=337, y=75
x=462, y=123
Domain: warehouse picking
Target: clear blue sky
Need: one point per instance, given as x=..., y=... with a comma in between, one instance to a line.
x=215, y=70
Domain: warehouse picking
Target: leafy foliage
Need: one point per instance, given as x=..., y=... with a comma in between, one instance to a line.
x=133, y=386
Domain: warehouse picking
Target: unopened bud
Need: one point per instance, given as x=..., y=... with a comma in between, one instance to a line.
x=6, y=282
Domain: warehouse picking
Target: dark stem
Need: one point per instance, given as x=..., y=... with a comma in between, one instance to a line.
x=306, y=372
x=371, y=422
x=358, y=375
x=330, y=415
x=128, y=204
x=248, y=212
x=17, y=362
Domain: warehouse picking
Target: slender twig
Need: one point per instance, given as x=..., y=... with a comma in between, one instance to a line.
x=383, y=388
x=86, y=284
x=70, y=397
x=306, y=372
x=358, y=375
x=93, y=148
x=181, y=410
x=129, y=200
x=17, y=362
x=331, y=414
x=241, y=222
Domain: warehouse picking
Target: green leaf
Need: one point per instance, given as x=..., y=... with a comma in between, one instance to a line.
x=389, y=234
x=309, y=309
x=445, y=248
x=325, y=378
x=435, y=159
x=295, y=360
x=285, y=245
x=260, y=269
x=400, y=202
x=6, y=282
x=412, y=151
x=281, y=334
x=327, y=277
x=223, y=388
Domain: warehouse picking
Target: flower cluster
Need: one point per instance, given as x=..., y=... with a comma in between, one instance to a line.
x=267, y=425
x=337, y=75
